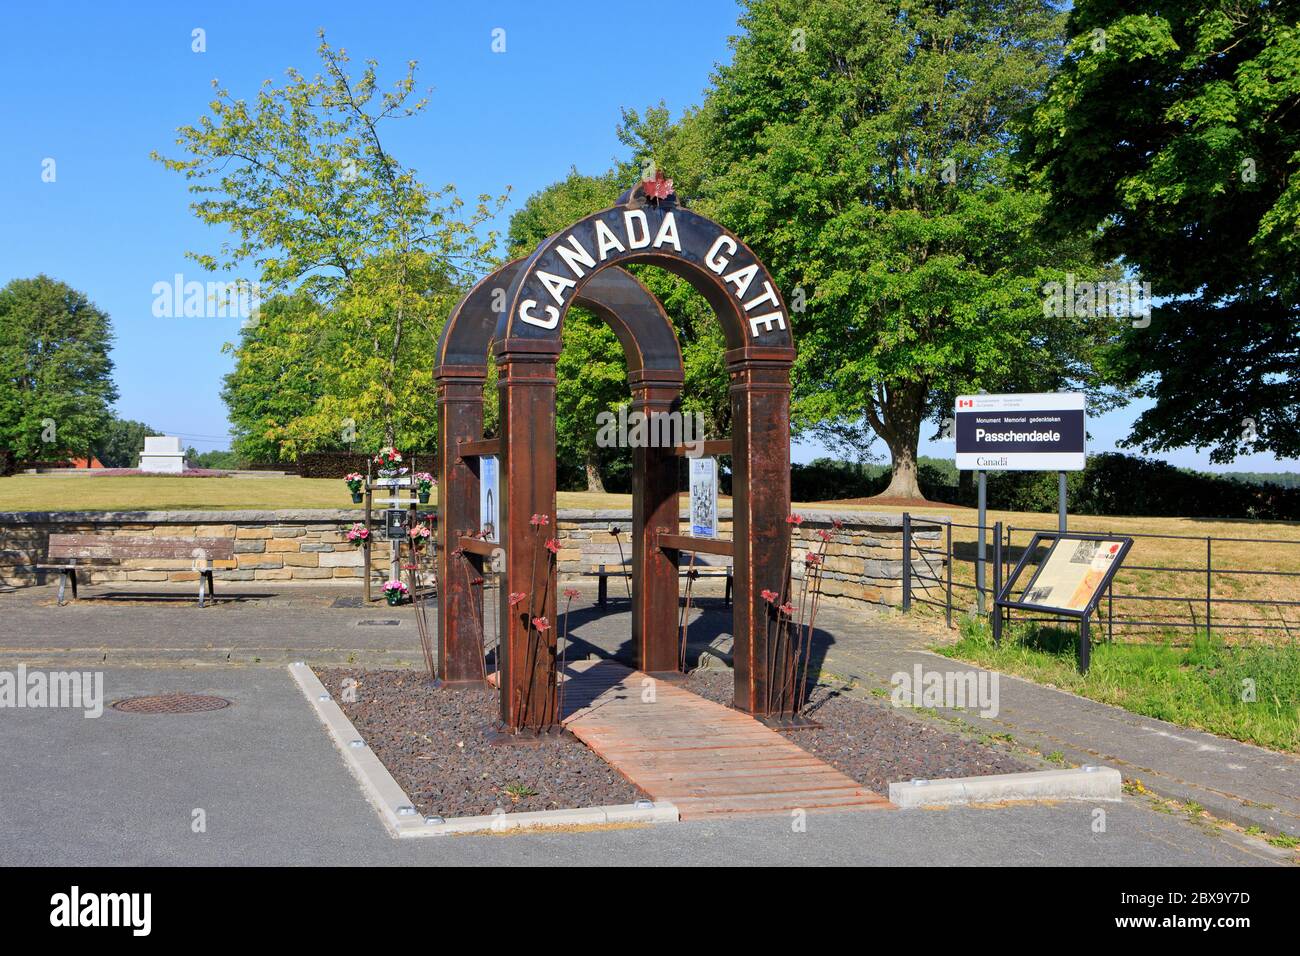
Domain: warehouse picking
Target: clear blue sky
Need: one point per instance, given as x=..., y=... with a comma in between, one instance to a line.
x=96, y=86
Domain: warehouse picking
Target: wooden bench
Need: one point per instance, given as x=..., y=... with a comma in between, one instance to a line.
x=703, y=569
x=207, y=554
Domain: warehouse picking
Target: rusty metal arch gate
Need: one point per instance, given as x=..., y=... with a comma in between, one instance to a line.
x=654, y=364
x=579, y=264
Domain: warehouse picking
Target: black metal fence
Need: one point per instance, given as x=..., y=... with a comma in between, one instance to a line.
x=928, y=579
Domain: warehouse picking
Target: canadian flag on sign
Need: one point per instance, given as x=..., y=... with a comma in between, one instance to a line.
x=965, y=403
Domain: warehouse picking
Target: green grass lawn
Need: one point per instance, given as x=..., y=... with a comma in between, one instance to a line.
x=1202, y=686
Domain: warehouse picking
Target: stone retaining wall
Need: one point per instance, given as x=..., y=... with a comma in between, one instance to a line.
x=863, y=559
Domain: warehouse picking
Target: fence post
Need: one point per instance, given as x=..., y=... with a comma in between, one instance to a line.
x=997, y=582
x=947, y=604
x=907, y=562
x=1208, y=578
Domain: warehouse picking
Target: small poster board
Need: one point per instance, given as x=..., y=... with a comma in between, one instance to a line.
x=395, y=524
x=489, y=498
x=1071, y=577
x=704, y=497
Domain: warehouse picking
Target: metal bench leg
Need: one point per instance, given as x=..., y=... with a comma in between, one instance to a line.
x=63, y=580
x=72, y=577
x=602, y=590
x=203, y=582
x=726, y=600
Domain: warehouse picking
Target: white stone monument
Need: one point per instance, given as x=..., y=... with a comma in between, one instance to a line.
x=162, y=453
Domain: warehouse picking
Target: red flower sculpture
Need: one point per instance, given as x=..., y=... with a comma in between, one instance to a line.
x=542, y=624
x=539, y=521
x=788, y=609
x=769, y=596
x=552, y=546
x=824, y=534
x=812, y=558
x=657, y=188
x=794, y=520
x=571, y=593
x=516, y=597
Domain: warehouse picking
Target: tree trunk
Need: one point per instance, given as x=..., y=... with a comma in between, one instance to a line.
x=897, y=420
x=594, y=482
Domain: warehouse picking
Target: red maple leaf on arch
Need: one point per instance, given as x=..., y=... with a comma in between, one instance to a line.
x=657, y=188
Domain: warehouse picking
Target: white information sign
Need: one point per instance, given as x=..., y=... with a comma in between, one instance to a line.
x=489, y=498
x=704, y=497
x=1025, y=432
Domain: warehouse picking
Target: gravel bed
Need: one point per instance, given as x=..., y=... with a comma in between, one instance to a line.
x=435, y=744
x=869, y=741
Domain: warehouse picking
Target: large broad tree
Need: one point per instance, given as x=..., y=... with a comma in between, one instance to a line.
x=317, y=203
x=1172, y=131
x=865, y=149
x=56, y=377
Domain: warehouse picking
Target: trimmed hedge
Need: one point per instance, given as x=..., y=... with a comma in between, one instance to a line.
x=7, y=463
x=1112, y=484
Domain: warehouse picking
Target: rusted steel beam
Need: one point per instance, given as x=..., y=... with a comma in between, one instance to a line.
x=760, y=412
x=526, y=384
x=460, y=605
x=479, y=449
x=684, y=542
x=714, y=446
x=484, y=549
x=654, y=507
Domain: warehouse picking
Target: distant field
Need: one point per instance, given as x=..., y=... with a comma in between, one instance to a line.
x=156, y=493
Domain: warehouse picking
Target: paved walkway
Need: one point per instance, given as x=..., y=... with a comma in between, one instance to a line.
x=264, y=625
x=705, y=758
x=124, y=789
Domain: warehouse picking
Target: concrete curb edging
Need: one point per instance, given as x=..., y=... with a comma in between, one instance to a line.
x=399, y=814
x=1084, y=783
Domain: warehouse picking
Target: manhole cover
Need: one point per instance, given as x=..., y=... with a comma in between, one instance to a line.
x=171, y=704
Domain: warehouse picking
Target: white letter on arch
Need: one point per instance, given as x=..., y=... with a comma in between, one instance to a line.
x=555, y=285
x=606, y=240
x=575, y=256
x=637, y=238
x=552, y=314
x=716, y=262
x=668, y=233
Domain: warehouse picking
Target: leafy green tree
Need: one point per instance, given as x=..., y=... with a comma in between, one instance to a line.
x=863, y=148
x=122, y=443
x=318, y=204
x=285, y=365
x=56, y=378
x=1172, y=133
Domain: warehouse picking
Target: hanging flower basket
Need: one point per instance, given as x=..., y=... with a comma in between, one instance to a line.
x=354, y=482
x=424, y=483
x=388, y=463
